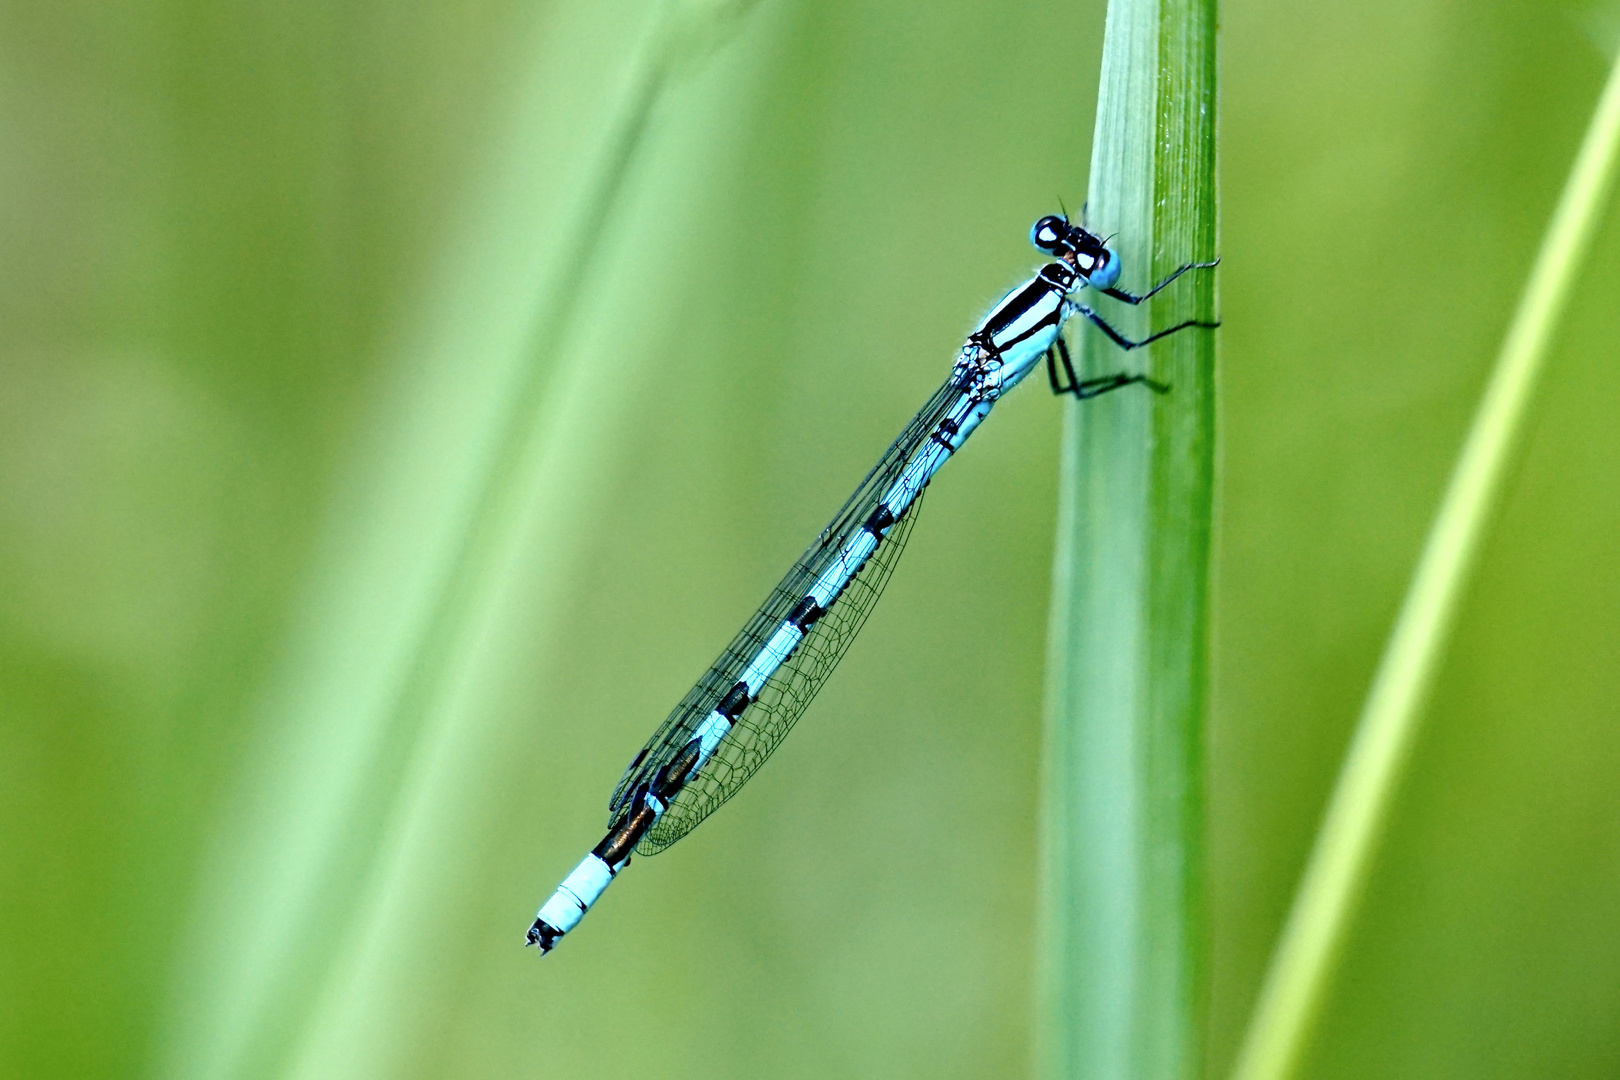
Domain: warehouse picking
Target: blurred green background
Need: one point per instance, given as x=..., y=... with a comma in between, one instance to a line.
x=401, y=403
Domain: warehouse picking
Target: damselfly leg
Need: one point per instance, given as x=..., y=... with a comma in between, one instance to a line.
x=1131, y=298
x=1126, y=343
x=1089, y=388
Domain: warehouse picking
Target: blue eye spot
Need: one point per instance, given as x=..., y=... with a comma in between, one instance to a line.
x=1105, y=275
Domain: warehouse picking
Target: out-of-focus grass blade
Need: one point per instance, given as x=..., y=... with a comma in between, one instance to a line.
x=483, y=429
x=1334, y=877
x=1123, y=942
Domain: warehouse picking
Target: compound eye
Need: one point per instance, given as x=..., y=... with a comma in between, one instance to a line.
x=1106, y=272
x=1049, y=233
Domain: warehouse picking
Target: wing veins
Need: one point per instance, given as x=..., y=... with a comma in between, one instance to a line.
x=784, y=697
x=678, y=727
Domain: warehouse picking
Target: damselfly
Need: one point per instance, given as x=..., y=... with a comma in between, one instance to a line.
x=743, y=706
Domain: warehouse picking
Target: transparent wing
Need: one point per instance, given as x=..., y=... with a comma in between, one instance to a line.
x=783, y=698
x=790, y=690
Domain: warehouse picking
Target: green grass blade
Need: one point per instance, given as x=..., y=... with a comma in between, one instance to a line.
x=306, y=875
x=1326, y=901
x=1122, y=961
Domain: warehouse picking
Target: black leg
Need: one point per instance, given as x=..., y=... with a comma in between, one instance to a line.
x=1089, y=388
x=1126, y=343
x=1060, y=349
x=1051, y=369
x=1121, y=294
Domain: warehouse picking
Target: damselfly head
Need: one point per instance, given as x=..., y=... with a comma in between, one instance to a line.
x=1088, y=253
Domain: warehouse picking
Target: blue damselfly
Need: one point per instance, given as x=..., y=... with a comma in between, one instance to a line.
x=745, y=704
